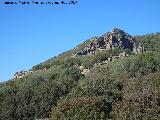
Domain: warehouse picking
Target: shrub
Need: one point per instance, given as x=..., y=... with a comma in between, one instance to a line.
x=82, y=109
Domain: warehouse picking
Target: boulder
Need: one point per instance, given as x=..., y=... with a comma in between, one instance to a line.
x=85, y=71
x=138, y=48
x=123, y=54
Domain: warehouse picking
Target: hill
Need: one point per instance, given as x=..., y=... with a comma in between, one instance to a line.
x=114, y=76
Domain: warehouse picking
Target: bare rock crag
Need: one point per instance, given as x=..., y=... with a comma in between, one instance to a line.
x=113, y=39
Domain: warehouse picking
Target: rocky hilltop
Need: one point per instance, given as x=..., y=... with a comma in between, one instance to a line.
x=107, y=79
x=115, y=38
x=110, y=40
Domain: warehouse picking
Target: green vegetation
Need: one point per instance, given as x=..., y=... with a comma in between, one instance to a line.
x=151, y=41
x=33, y=96
x=115, y=83
x=124, y=89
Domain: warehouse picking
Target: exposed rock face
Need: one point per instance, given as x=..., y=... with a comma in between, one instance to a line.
x=115, y=38
x=21, y=74
x=138, y=48
x=83, y=70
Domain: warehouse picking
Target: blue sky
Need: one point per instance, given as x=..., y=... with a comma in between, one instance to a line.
x=32, y=34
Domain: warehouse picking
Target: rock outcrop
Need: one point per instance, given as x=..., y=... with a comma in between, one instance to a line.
x=138, y=48
x=83, y=70
x=115, y=38
x=21, y=74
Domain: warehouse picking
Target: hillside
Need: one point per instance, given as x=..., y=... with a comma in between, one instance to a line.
x=115, y=76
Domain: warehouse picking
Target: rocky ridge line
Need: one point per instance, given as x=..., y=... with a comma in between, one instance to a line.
x=115, y=38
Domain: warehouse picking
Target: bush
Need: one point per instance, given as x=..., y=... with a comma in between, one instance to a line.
x=32, y=97
x=141, y=97
x=82, y=109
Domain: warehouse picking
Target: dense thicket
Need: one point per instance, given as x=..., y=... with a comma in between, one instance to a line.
x=129, y=88
x=33, y=96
